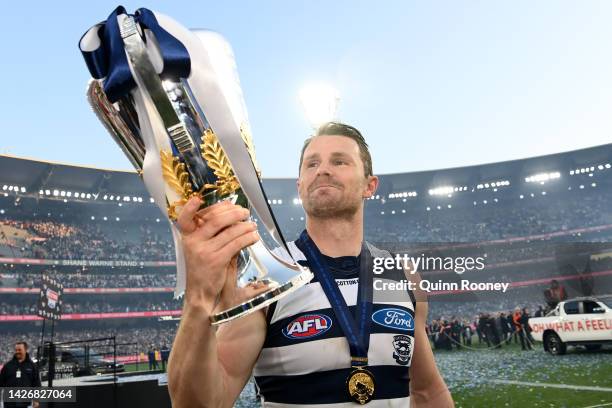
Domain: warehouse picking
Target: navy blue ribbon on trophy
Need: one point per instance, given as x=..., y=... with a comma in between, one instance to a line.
x=355, y=328
x=109, y=61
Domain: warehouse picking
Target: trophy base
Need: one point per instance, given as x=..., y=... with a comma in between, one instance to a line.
x=262, y=300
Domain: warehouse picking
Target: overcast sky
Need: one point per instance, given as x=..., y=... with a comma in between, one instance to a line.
x=430, y=84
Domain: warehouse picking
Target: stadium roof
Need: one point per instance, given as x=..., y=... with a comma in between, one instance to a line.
x=36, y=175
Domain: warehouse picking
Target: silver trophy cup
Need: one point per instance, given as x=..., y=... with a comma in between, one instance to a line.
x=182, y=123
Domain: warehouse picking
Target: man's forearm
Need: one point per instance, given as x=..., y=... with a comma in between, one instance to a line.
x=438, y=397
x=195, y=377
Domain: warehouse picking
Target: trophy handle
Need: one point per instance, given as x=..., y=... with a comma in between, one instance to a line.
x=264, y=264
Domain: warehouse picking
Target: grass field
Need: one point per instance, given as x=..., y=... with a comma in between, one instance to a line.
x=144, y=366
x=473, y=377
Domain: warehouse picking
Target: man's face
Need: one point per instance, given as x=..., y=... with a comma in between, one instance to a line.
x=332, y=182
x=20, y=351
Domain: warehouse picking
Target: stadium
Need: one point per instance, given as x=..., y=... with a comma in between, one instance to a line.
x=100, y=235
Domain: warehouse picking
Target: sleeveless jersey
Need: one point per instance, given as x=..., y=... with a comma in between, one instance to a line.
x=305, y=360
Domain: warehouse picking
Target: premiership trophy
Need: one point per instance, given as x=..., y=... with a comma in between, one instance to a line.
x=171, y=99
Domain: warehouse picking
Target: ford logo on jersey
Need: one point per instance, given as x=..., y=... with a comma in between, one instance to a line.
x=394, y=319
x=306, y=326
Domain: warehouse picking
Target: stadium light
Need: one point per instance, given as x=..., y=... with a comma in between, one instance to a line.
x=55, y=193
x=4, y=187
x=105, y=197
x=23, y=189
x=320, y=103
x=1, y=211
x=443, y=190
x=542, y=177
x=69, y=194
x=403, y=194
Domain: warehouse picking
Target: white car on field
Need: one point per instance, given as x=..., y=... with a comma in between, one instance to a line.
x=580, y=321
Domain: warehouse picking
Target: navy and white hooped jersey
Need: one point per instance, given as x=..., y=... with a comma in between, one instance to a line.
x=305, y=359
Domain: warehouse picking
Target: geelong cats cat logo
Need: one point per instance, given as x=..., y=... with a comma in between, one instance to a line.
x=403, y=346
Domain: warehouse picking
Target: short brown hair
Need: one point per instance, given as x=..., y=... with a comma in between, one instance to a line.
x=25, y=345
x=341, y=129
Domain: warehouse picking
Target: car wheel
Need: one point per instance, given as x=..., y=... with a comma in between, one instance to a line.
x=554, y=344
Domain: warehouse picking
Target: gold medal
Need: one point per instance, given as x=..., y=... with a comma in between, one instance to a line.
x=360, y=385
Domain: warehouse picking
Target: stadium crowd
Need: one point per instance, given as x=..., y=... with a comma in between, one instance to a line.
x=133, y=240
x=98, y=280
x=129, y=304
x=79, y=241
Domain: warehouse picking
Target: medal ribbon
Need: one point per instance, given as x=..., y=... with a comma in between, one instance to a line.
x=103, y=50
x=355, y=328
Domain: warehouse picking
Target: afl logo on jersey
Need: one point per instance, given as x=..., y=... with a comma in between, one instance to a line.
x=307, y=326
x=394, y=318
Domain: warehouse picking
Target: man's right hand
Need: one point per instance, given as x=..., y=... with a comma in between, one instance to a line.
x=212, y=237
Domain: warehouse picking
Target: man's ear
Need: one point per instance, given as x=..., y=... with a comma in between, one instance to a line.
x=371, y=187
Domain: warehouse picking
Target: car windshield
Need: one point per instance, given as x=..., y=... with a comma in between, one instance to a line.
x=607, y=300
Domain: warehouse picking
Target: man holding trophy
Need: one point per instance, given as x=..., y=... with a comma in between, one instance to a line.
x=302, y=318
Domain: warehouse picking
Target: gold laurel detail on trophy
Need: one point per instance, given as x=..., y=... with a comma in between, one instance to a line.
x=217, y=160
x=245, y=132
x=175, y=174
x=177, y=178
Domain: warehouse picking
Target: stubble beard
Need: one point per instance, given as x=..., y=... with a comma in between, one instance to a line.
x=327, y=208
